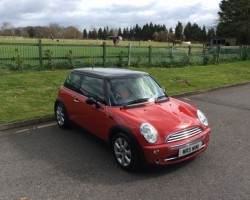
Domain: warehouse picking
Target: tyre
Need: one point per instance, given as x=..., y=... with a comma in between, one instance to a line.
x=61, y=116
x=124, y=152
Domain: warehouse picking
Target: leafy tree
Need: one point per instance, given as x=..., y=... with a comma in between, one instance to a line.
x=196, y=30
x=85, y=34
x=112, y=32
x=179, y=31
x=203, y=36
x=211, y=33
x=100, y=33
x=234, y=20
x=156, y=36
x=31, y=31
x=145, y=32
x=120, y=32
x=170, y=35
x=163, y=36
x=125, y=33
x=137, y=32
x=188, y=31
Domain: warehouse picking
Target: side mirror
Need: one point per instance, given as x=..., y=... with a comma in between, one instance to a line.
x=91, y=101
x=163, y=90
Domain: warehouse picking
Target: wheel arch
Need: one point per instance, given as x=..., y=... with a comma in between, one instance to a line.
x=58, y=100
x=122, y=129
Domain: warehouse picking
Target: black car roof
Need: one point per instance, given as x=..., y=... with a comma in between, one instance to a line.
x=109, y=72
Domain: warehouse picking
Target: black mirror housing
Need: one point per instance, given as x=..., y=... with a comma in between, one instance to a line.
x=92, y=101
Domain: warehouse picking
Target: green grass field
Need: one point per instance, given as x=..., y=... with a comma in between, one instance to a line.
x=32, y=94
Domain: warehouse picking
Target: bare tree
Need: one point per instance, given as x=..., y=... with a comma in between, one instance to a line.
x=7, y=29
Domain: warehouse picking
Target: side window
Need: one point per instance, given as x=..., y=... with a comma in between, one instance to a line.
x=73, y=82
x=93, y=87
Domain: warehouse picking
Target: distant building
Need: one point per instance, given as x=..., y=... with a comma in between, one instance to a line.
x=223, y=41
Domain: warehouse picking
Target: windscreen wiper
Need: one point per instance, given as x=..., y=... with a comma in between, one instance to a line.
x=135, y=101
x=161, y=98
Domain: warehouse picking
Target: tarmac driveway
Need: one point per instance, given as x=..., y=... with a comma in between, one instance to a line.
x=45, y=162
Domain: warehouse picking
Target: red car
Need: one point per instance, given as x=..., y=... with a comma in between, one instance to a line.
x=129, y=110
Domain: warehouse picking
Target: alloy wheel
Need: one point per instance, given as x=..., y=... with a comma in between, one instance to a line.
x=122, y=151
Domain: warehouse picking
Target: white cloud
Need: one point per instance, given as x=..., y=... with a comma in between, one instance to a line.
x=113, y=13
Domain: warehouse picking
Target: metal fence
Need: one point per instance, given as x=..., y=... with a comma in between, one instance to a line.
x=19, y=56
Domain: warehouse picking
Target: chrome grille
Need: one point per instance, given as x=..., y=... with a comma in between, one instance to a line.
x=184, y=134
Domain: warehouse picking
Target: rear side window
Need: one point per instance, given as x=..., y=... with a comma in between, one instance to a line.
x=93, y=87
x=73, y=82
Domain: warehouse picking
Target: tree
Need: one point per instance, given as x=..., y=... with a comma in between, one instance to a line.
x=100, y=33
x=234, y=20
x=179, y=31
x=6, y=29
x=71, y=32
x=137, y=32
x=31, y=31
x=188, y=31
x=211, y=33
x=156, y=36
x=54, y=30
x=125, y=33
x=120, y=32
x=203, y=34
x=163, y=36
x=85, y=34
x=196, y=32
x=170, y=35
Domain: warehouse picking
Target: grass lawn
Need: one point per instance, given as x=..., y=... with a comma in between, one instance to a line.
x=32, y=93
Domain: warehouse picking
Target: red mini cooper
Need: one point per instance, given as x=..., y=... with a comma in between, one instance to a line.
x=129, y=110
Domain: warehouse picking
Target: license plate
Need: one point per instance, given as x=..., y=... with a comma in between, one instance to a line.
x=190, y=149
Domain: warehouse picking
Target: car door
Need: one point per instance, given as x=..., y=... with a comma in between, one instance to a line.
x=70, y=94
x=92, y=117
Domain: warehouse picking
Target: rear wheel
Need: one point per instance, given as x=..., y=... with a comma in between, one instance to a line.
x=61, y=116
x=124, y=152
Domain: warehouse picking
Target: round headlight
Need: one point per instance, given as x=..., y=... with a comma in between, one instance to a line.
x=202, y=118
x=149, y=132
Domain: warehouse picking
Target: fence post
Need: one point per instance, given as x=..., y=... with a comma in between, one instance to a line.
x=40, y=53
x=241, y=48
x=104, y=54
x=189, y=50
x=150, y=55
x=171, y=56
x=218, y=55
x=203, y=50
x=129, y=54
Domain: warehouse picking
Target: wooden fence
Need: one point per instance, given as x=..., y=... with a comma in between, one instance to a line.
x=42, y=56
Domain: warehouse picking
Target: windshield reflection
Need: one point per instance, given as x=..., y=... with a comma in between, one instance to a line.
x=127, y=91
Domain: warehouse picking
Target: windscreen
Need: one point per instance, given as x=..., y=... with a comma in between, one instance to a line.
x=123, y=91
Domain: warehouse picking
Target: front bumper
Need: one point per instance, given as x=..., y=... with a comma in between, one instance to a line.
x=168, y=153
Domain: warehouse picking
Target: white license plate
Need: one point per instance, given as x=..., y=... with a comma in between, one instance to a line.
x=190, y=149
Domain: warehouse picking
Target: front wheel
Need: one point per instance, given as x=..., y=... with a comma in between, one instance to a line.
x=124, y=152
x=61, y=116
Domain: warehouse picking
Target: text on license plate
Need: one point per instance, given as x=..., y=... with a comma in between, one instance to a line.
x=190, y=149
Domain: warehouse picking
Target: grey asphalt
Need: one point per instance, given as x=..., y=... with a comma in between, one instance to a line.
x=45, y=162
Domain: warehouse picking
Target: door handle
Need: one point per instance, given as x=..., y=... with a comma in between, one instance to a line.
x=76, y=100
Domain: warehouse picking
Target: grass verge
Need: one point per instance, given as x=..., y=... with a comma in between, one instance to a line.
x=32, y=94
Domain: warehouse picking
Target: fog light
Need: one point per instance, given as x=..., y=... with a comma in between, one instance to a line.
x=156, y=151
x=157, y=160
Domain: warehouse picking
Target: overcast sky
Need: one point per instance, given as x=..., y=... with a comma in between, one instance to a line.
x=113, y=13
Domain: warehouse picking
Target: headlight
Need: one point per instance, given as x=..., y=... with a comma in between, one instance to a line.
x=149, y=132
x=202, y=118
